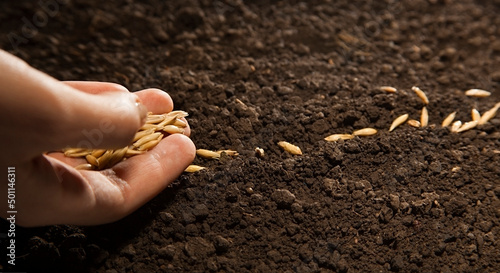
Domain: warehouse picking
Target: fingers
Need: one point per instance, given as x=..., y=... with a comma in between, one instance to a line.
x=150, y=173
x=156, y=100
x=58, y=194
x=96, y=87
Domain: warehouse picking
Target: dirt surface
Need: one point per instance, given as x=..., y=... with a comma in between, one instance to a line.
x=252, y=73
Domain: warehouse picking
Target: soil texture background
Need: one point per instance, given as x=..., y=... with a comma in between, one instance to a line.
x=253, y=73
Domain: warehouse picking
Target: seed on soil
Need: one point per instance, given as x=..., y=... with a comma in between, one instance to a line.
x=476, y=116
x=413, y=123
x=489, y=114
x=478, y=93
x=467, y=126
x=228, y=152
x=365, y=132
x=259, y=152
x=388, y=89
x=420, y=94
x=290, y=148
x=194, y=168
x=456, y=125
x=337, y=137
x=424, y=118
x=207, y=154
x=449, y=119
x=398, y=121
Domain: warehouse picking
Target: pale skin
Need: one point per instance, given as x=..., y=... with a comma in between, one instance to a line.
x=41, y=115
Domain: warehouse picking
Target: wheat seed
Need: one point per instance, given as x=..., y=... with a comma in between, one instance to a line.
x=489, y=114
x=478, y=93
x=150, y=145
x=194, y=168
x=92, y=160
x=148, y=136
x=467, y=126
x=207, y=154
x=365, y=132
x=420, y=94
x=388, y=89
x=85, y=166
x=228, y=152
x=290, y=148
x=337, y=137
x=146, y=139
x=424, y=118
x=259, y=152
x=455, y=126
x=449, y=119
x=476, y=116
x=398, y=121
x=413, y=123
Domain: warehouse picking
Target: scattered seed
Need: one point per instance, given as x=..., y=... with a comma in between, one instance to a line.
x=194, y=168
x=420, y=94
x=455, y=126
x=449, y=119
x=228, y=152
x=489, y=114
x=413, y=123
x=476, y=116
x=365, y=132
x=478, y=93
x=388, y=89
x=398, y=121
x=292, y=149
x=337, y=137
x=424, y=118
x=207, y=154
x=467, y=126
x=259, y=152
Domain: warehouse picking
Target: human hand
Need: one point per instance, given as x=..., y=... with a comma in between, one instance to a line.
x=41, y=114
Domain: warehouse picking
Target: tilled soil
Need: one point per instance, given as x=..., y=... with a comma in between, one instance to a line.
x=253, y=73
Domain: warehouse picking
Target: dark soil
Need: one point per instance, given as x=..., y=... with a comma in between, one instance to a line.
x=252, y=73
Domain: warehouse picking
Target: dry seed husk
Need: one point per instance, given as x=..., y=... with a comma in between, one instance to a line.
x=424, y=118
x=388, y=89
x=420, y=94
x=413, y=123
x=365, y=132
x=476, y=116
x=207, y=154
x=489, y=114
x=478, y=93
x=228, y=152
x=449, y=119
x=398, y=121
x=290, y=148
x=259, y=152
x=148, y=136
x=337, y=137
x=194, y=168
x=467, y=126
x=456, y=125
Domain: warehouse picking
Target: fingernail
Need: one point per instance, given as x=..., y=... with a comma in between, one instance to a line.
x=143, y=110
